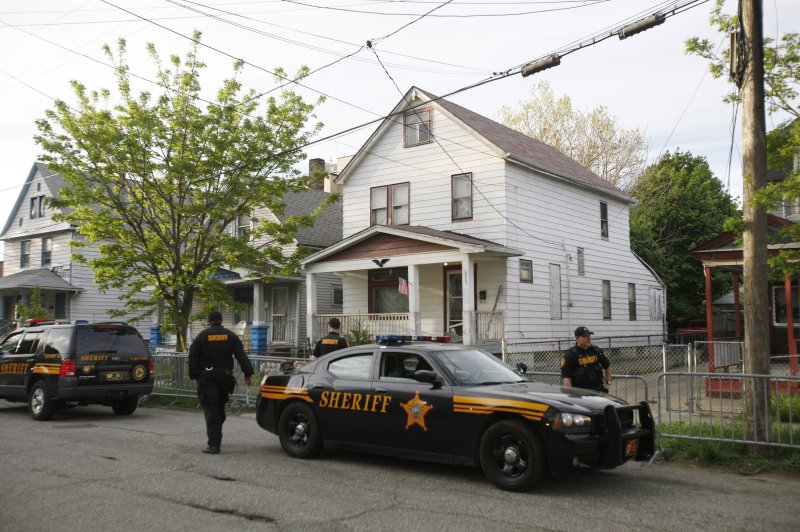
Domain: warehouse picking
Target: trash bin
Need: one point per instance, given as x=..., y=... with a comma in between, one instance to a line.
x=259, y=337
x=155, y=336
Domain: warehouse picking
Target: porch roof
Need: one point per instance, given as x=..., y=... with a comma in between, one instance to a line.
x=723, y=250
x=41, y=277
x=436, y=240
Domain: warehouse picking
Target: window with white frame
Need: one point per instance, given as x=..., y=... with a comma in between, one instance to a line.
x=606, y=300
x=338, y=295
x=525, y=271
x=47, y=251
x=462, y=196
x=604, y=219
x=656, y=304
x=581, y=262
x=24, y=253
x=631, y=301
x=417, y=128
x=243, y=227
x=390, y=205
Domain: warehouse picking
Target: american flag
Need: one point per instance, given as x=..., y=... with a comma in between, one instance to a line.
x=402, y=286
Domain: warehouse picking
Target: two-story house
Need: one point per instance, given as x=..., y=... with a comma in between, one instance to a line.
x=37, y=253
x=455, y=224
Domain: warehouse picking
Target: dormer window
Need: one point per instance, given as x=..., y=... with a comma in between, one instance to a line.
x=417, y=128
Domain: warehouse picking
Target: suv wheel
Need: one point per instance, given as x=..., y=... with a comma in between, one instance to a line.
x=126, y=407
x=40, y=405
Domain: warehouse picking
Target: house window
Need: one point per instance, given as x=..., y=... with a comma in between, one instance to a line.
x=47, y=251
x=462, y=196
x=384, y=290
x=37, y=207
x=390, y=205
x=581, y=262
x=41, y=206
x=24, y=253
x=604, y=219
x=525, y=271
x=656, y=304
x=243, y=227
x=338, y=295
x=555, y=292
x=417, y=127
x=631, y=301
x=606, y=300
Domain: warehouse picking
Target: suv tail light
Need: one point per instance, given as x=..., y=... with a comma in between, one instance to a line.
x=152, y=365
x=67, y=368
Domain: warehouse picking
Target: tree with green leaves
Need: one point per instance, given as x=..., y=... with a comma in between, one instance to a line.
x=34, y=309
x=595, y=139
x=680, y=204
x=158, y=181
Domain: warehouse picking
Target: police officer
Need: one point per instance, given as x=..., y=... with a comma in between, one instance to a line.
x=584, y=365
x=331, y=341
x=211, y=364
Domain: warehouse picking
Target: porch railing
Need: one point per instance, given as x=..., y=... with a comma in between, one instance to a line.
x=374, y=323
x=490, y=326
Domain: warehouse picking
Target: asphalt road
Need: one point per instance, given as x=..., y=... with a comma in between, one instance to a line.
x=91, y=470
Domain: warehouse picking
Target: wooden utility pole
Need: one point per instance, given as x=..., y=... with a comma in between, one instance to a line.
x=754, y=167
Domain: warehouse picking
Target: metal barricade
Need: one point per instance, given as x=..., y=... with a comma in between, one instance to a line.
x=632, y=388
x=719, y=412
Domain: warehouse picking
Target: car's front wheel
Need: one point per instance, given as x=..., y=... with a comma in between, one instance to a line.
x=511, y=455
x=40, y=405
x=298, y=430
x=125, y=407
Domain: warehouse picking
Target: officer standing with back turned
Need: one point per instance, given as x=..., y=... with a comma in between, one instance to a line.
x=211, y=364
x=584, y=365
x=331, y=341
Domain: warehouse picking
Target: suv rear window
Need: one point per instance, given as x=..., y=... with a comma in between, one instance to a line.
x=109, y=339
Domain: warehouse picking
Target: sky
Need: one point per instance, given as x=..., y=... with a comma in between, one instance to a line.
x=646, y=81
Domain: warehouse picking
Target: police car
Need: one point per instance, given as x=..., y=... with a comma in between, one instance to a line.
x=452, y=404
x=56, y=365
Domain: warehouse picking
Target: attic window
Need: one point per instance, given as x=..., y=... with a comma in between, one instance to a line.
x=417, y=128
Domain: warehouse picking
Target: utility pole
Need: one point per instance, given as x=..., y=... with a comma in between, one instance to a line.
x=754, y=167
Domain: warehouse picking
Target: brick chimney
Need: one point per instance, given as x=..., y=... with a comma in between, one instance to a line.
x=315, y=166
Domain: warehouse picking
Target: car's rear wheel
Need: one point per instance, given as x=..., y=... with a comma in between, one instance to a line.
x=511, y=456
x=125, y=407
x=298, y=430
x=40, y=405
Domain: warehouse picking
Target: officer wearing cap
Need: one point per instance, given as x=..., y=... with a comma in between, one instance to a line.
x=211, y=364
x=584, y=365
x=331, y=341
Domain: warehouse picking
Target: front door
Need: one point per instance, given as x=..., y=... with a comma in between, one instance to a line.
x=280, y=314
x=454, y=303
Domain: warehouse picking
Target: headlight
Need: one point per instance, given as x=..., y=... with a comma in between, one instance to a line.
x=566, y=420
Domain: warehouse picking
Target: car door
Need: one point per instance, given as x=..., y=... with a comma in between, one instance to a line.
x=419, y=415
x=16, y=362
x=342, y=393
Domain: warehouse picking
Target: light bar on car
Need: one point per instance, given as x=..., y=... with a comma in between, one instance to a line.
x=398, y=338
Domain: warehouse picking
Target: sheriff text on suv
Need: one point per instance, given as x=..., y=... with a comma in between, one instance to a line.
x=63, y=365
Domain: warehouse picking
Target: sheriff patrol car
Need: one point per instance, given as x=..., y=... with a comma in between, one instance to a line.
x=450, y=404
x=62, y=365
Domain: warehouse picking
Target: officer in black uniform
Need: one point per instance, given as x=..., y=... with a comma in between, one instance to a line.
x=211, y=364
x=331, y=341
x=584, y=365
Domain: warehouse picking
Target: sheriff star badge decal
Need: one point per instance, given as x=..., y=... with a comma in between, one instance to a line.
x=416, y=409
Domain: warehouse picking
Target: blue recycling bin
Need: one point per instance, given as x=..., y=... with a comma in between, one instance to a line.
x=259, y=337
x=155, y=335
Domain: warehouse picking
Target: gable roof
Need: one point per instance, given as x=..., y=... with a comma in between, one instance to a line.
x=53, y=181
x=327, y=228
x=515, y=146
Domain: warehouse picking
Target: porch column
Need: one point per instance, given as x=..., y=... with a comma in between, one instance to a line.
x=414, y=317
x=468, y=300
x=311, y=305
x=790, y=327
x=709, y=320
x=259, y=314
x=736, y=311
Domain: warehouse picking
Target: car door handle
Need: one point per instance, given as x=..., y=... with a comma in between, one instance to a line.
x=318, y=387
x=381, y=390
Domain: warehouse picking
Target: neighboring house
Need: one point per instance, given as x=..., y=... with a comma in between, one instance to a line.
x=455, y=224
x=37, y=253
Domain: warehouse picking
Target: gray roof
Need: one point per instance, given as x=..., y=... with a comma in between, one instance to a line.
x=41, y=277
x=525, y=147
x=53, y=181
x=327, y=229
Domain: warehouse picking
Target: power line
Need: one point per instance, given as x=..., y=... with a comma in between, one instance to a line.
x=585, y=3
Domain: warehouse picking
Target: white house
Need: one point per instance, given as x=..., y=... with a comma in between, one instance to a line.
x=455, y=224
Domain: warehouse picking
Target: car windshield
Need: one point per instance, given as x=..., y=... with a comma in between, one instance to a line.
x=110, y=339
x=470, y=367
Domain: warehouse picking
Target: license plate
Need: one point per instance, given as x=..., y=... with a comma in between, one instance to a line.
x=114, y=376
x=631, y=446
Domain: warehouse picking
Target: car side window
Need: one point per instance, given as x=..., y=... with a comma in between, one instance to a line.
x=9, y=346
x=401, y=366
x=56, y=342
x=29, y=342
x=355, y=367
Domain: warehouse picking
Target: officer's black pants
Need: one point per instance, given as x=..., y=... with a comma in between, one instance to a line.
x=212, y=391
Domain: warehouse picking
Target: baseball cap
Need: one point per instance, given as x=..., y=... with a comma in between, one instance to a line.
x=583, y=331
x=335, y=323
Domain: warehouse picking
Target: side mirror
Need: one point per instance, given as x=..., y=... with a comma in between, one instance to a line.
x=522, y=368
x=426, y=375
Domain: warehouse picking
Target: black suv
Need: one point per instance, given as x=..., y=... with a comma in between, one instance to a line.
x=63, y=365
